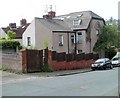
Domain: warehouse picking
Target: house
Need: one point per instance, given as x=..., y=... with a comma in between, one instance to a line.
x=19, y=30
x=39, y=33
x=2, y=34
x=74, y=32
x=87, y=25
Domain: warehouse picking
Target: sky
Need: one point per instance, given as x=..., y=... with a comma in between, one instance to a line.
x=12, y=11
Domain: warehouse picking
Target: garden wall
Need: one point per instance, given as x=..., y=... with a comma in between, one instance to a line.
x=70, y=61
x=12, y=61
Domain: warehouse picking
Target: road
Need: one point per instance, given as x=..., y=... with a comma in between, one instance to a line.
x=95, y=83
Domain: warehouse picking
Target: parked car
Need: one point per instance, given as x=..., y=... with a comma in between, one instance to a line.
x=102, y=63
x=115, y=61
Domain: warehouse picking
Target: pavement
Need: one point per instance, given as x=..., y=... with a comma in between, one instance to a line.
x=7, y=75
x=59, y=73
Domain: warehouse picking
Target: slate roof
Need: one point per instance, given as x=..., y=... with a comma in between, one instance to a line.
x=85, y=17
x=54, y=24
x=18, y=30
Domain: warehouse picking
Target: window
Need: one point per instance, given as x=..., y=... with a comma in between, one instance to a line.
x=97, y=32
x=73, y=39
x=77, y=22
x=79, y=51
x=29, y=41
x=60, y=40
x=79, y=37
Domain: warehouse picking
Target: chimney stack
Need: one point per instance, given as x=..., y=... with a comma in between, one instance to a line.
x=23, y=22
x=12, y=25
x=50, y=15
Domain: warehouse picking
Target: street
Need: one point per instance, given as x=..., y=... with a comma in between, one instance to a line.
x=94, y=83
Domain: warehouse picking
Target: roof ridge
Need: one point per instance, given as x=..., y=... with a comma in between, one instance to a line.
x=93, y=14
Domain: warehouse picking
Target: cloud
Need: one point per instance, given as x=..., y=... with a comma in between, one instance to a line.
x=14, y=10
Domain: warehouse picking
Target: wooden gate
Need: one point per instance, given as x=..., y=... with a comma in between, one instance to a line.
x=34, y=60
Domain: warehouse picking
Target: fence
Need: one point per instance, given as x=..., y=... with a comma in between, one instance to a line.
x=71, y=57
x=35, y=60
x=63, y=61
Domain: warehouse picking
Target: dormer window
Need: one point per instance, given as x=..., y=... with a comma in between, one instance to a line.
x=77, y=22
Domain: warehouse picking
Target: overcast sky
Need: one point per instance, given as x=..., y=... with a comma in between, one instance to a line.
x=14, y=10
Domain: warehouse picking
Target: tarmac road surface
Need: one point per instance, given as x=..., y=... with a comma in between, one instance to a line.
x=94, y=83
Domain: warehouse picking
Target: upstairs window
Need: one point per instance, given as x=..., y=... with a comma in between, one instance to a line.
x=60, y=40
x=77, y=22
x=28, y=41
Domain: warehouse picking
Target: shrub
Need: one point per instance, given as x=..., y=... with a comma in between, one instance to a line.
x=46, y=68
x=11, y=34
x=9, y=44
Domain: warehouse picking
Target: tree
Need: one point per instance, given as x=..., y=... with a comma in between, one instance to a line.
x=11, y=34
x=107, y=38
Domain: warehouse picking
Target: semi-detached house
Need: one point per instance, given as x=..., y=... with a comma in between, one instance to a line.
x=74, y=32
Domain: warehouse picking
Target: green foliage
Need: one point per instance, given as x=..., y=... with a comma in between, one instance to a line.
x=46, y=68
x=9, y=44
x=110, y=53
x=11, y=34
x=108, y=38
x=46, y=43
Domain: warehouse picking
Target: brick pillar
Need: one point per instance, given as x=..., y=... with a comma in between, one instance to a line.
x=50, y=58
x=24, y=61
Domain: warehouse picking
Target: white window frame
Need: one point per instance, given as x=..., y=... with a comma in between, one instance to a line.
x=28, y=41
x=79, y=37
x=77, y=22
x=61, y=40
x=73, y=39
x=79, y=51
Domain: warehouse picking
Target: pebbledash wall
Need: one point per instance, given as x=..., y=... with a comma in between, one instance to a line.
x=12, y=61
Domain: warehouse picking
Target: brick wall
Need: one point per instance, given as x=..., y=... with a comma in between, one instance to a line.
x=12, y=61
x=35, y=60
x=64, y=65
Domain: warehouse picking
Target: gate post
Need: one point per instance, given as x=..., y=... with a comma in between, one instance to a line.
x=46, y=56
x=24, y=61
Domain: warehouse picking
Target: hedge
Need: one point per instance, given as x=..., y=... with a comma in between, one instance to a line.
x=9, y=44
